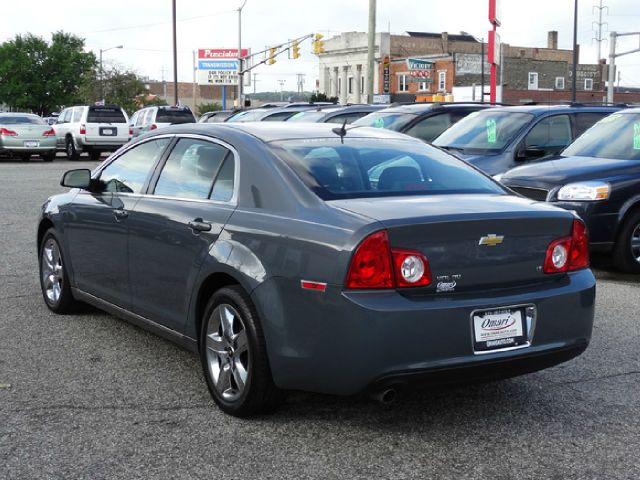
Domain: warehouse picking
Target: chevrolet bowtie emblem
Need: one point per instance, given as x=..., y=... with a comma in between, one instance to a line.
x=491, y=240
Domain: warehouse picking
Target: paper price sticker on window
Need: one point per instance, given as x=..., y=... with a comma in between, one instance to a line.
x=492, y=131
x=636, y=136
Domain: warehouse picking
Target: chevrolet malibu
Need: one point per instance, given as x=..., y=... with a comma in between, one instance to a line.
x=317, y=257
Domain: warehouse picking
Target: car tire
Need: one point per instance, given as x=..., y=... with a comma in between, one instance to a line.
x=54, y=280
x=72, y=153
x=48, y=157
x=95, y=156
x=234, y=355
x=626, y=251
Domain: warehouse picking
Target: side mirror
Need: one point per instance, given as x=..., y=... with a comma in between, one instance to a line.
x=527, y=153
x=79, y=178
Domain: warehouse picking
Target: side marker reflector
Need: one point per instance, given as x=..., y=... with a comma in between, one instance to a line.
x=308, y=285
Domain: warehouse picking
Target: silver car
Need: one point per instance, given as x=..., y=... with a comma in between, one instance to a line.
x=25, y=134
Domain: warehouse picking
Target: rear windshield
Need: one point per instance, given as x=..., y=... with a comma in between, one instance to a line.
x=488, y=131
x=105, y=115
x=389, y=120
x=367, y=167
x=21, y=120
x=616, y=136
x=174, y=116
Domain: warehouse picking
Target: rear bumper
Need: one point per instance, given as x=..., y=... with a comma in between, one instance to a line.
x=101, y=145
x=346, y=342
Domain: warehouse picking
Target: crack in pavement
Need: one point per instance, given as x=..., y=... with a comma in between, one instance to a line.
x=107, y=407
x=603, y=377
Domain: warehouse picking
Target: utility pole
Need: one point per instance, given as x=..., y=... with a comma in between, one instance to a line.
x=281, y=82
x=300, y=82
x=195, y=108
x=254, y=83
x=574, y=77
x=175, y=55
x=370, y=50
x=612, y=60
x=240, y=76
x=600, y=23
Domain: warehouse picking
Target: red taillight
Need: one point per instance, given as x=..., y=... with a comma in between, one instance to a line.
x=131, y=131
x=83, y=129
x=376, y=265
x=7, y=132
x=411, y=267
x=49, y=133
x=569, y=253
x=153, y=126
x=371, y=265
x=579, y=256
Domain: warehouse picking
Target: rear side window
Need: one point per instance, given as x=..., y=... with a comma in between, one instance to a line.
x=277, y=117
x=129, y=171
x=223, y=187
x=349, y=117
x=191, y=169
x=174, y=116
x=366, y=167
x=105, y=115
x=584, y=121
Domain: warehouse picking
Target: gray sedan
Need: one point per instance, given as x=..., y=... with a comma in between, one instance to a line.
x=314, y=257
x=25, y=134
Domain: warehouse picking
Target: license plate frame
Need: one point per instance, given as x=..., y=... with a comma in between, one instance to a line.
x=501, y=328
x=108, y=131
x=31, y=144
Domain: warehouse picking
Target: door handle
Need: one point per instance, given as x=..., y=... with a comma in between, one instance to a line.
x=120, y=214
x=199, y=225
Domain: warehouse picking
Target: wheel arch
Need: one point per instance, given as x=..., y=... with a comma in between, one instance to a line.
x=45, y=224
x=629, y=207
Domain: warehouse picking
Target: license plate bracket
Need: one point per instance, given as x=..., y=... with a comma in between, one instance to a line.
x=499, y=328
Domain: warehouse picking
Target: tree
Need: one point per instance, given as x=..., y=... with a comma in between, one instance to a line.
x=41, y=77
x=207, y=107
x=322, y=97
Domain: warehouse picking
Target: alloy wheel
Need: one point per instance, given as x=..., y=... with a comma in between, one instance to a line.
x=228, y=354
x=52, y=271
x=635, y=243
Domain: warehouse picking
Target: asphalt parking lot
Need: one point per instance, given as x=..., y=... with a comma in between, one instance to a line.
x=89, y=396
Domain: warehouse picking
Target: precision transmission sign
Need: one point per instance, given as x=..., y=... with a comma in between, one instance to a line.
x=219, y=66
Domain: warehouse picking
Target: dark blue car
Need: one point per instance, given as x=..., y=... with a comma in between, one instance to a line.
x=312, y=257
x=597, y=176
x=502, y=138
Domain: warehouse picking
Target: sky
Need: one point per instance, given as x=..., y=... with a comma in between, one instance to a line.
x=144, y=28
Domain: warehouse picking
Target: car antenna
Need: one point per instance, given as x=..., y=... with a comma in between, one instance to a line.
x=342, y=131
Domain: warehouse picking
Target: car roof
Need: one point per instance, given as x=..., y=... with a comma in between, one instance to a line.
x=544, y=109
x=418, y=108
x=275, y=131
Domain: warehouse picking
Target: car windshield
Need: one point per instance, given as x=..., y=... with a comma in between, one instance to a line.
x=616, y=136
x=21, y=120
x=488, y=131
x=105, y=115
x=370, y=167
x=307, y=116
x=389, y=120
x=247, y=116
x=174, y=116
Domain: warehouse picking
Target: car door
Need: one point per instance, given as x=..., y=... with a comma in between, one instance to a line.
x=174, y=226
x=61, y=127
x=96, y=224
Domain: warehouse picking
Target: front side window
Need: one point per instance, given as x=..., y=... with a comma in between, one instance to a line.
x=429, y=128
x=370, y=167
x=550, y=133
x=389, y=120
x=190, y=169
x=129, y=172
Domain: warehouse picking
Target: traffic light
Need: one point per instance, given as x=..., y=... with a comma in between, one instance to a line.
x=318, y=44
x=295, y=47
x=272, y=56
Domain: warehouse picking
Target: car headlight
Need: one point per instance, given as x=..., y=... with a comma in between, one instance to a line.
x=585, y=191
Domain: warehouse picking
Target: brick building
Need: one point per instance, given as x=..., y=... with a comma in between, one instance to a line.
x=204, y=93
x=526, y=73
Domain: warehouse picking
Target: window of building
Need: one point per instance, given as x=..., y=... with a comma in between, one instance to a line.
x=532, y=83
x=350, y=85
x=423, y=86
x=362, y=84
x=442, y=81
x=559, y=83
x=588, y=83
x=403, y=84
x=339, y=86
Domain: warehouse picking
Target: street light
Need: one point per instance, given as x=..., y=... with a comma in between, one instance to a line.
x=102, y=50
x=481, y=40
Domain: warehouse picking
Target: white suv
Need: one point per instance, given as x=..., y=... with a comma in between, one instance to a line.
x=150, y=118
x=93, y=129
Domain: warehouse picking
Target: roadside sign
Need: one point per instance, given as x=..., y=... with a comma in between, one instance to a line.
x=419, y=65
x=219, y=66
